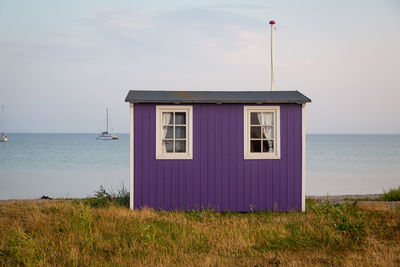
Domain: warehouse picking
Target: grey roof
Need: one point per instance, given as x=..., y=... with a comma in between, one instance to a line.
x=149, y=96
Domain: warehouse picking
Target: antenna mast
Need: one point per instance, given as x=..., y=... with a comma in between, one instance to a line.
x=272, y=22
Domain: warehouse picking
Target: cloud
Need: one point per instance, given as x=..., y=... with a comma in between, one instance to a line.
x=202, y=33
x=124, y=22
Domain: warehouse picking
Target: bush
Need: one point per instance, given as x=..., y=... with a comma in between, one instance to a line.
x=102, y=198
x=391, y=195
x=121, y=197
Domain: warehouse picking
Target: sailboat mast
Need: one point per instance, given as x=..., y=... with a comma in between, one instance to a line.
x=2, y=118
x=107, y=120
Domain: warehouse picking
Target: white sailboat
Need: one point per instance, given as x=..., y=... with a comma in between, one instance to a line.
x=3, y=136
x=106, y=135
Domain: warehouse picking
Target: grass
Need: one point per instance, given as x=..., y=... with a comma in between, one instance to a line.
x=83, y=233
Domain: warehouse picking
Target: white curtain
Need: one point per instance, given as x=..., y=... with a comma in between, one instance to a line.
x=268, y=132
x=266, y=118
x=259, y=117
x=260, y=120
x=269, y=120
x=166, y=118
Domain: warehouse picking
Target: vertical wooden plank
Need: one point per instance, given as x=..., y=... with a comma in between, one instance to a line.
x=138, y=156
x=232, y=157
x=240, y=187
x=298, y=157
x=146, y=156
x=191, y=163
x=189, y=184
x=160, y=185
x=284, y=157
x=131, y=156
x=152, y=157
x=269, y=186
x=197, y=156
x=167, y=184
x=219, y=156
x=179, y=184
x=276, y=188
x=211, y=156
x=182, y=184
x=261, y=185
x=203, y=160
x=254, y=184
x=174, y=184
x=225, y=158
x=291, y=156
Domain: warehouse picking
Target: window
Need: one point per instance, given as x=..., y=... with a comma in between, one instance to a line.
x=174, y=132
x=261, y=132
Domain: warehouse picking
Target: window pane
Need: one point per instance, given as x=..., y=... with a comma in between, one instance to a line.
x=168, y=132
x=265, y=146
x=255, y=118
x=180, y=118
x=255, y=146
x=180, y=146
x=167, y=118
x=180, y=132
x=268, y=118
x=270, y=146
x=255, y=132
x=268, y=132
x=168, y=146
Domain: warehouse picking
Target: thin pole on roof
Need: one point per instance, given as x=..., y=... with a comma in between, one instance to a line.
x=272, y=22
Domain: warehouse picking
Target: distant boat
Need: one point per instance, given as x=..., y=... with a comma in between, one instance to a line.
x=3, y=136
x=106, y=135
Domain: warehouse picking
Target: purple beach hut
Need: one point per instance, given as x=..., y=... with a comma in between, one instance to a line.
x=227, y=151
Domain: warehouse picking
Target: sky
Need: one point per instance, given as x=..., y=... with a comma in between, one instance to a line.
x=63, y=62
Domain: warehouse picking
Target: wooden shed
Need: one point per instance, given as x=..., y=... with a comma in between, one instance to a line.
x=227, y=151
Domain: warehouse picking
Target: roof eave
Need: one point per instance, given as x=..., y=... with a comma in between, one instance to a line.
x=218, y=102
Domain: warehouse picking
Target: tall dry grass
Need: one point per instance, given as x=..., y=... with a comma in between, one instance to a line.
x=70, y=233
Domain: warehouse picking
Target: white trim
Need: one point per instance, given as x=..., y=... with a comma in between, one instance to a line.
x=303, y=158
x=246, y=128
x=131, y=158
x=189, y=132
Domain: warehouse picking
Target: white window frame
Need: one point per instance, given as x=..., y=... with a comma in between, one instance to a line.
x=277, y=132
x=189, y=132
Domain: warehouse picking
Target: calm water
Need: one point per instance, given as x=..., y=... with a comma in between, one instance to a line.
x=74, y=165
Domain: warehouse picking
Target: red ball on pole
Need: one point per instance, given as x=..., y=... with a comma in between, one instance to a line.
x=272, y=22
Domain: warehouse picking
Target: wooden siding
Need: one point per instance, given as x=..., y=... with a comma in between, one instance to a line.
x=218, y=177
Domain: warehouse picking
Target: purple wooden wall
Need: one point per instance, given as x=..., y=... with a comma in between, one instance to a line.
x=218, y=177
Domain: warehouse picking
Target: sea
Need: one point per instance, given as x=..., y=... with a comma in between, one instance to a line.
x=75, y=165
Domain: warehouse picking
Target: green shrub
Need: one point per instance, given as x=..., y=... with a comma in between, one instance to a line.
x=391, y=195
x=121, y=197
x=103, y=199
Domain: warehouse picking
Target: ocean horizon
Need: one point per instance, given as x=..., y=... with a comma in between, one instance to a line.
x=74, y=165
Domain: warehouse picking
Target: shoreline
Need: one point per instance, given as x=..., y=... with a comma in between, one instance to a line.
x=342, y=198
x=334, y=199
